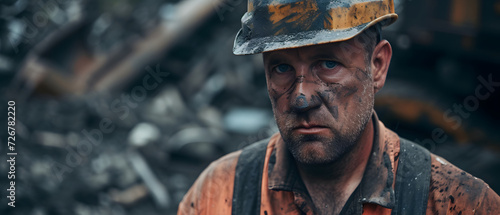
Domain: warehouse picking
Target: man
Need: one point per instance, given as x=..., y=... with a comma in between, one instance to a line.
x=324, y=62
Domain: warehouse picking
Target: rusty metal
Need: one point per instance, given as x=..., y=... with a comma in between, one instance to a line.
x=282, y=24
x=84, y=71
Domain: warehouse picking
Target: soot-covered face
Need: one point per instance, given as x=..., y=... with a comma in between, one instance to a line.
x=322, y=98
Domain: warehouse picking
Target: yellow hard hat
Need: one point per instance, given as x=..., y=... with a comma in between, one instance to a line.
x=271, y=25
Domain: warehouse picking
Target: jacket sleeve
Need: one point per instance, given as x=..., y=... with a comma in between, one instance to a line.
x=212, y=192
x=454, y=191
x=490, y=203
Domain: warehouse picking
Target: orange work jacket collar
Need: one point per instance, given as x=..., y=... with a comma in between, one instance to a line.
x=377, y=185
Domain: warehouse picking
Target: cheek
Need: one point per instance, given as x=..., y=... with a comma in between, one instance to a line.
x=276, y=97
x=281, y=106
x=362, y=75
x=277, y=100
x=348, y=94
x=272, y=90
x=280, y=83
x=280, y=93
x=341, y=92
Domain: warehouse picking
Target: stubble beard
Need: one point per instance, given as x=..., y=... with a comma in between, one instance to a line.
x=334, y=148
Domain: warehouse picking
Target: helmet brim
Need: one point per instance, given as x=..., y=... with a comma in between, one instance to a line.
x=301, y=39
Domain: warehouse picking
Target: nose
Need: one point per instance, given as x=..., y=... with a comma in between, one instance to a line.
x=303, y=97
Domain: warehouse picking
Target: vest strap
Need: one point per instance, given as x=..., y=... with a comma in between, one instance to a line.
x=248, y=179
x=411, y=188
x=412, y=179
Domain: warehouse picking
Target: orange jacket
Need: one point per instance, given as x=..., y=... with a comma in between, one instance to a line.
x=451, y=191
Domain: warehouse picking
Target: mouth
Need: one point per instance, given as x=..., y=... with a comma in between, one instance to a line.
x=310, y=128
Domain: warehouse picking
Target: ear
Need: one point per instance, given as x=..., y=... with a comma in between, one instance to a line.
x=381, y=59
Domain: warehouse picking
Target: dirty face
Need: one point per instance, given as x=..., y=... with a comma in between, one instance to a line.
x=322, y=98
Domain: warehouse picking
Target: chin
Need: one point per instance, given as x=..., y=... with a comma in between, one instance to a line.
x=315, y=152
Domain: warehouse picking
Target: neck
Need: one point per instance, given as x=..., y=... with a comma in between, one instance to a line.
x=345, y=174
x=329, y=192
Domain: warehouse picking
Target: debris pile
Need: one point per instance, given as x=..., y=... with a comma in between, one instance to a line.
x=133, y=151
x=136, y=149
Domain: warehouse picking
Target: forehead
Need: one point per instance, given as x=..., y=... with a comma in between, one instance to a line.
x=339, y=50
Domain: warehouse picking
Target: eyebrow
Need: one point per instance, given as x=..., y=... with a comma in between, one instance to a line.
x=274, y=58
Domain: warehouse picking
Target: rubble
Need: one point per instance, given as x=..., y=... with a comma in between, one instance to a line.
x=211, y=103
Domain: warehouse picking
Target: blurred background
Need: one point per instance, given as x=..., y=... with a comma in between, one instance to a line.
x=121, y=104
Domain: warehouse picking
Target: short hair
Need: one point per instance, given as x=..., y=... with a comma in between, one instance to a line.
x=370, y=38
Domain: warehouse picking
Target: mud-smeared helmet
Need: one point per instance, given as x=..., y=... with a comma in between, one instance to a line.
x=270, y=25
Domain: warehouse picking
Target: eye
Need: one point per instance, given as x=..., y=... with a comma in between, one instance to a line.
x=328, y=64
x=282, y=68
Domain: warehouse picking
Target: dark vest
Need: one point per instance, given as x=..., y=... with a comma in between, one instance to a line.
x=411, y=188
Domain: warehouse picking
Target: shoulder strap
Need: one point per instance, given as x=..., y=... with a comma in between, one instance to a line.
x=248, y=179
x=412, y=179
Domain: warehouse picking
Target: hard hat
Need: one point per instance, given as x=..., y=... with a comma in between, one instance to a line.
x=271, y=25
